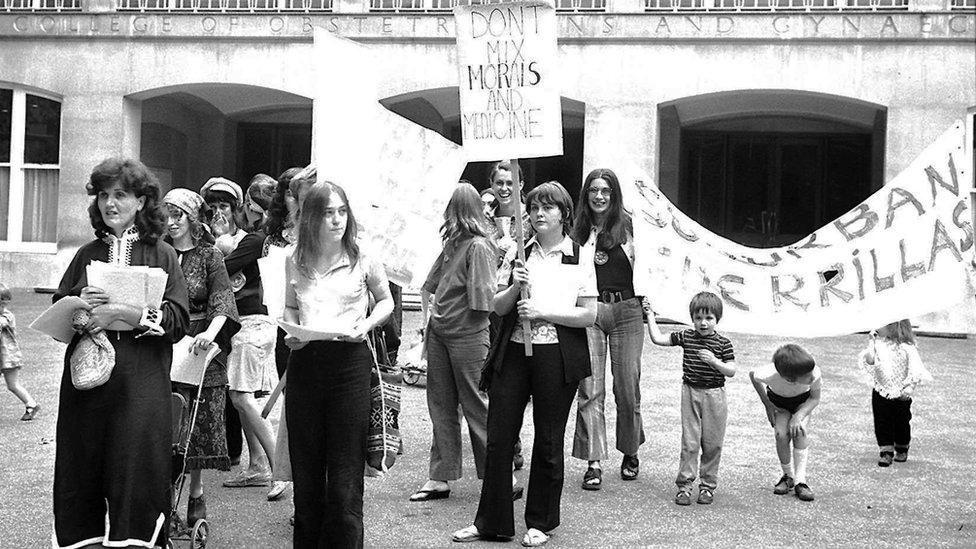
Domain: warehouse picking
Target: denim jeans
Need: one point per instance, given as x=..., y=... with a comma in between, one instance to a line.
x=703, y=416
x=453, y=373
x=620, y=325
x=327, y=406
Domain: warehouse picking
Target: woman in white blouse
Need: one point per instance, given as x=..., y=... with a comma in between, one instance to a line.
x=329, y=281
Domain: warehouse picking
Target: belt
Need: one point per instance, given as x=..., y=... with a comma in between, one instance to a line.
x=606, y=296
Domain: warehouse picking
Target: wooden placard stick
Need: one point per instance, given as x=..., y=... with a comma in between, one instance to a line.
x=520, y=247
x=268, y=406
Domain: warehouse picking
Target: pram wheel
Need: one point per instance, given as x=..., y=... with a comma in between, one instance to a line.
x=411, y=378
x=198, y=537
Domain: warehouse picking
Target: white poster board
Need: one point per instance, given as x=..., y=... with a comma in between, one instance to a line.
x=507, y=81
x=397, y=175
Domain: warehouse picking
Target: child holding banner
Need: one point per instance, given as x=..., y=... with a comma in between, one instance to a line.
x=789, y=388
x=706, y=361
x=895, y=368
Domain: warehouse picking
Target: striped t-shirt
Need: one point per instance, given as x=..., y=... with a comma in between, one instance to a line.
x=695, y=371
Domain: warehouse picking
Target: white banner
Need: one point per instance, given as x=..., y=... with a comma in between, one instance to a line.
x=903, y=252
x=507, y=81
x=398, y=175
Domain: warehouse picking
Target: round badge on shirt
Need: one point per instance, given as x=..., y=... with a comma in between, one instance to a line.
x=601, y=257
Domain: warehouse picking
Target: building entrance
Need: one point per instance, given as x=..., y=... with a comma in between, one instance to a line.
x=765, y=168
x=766, y=190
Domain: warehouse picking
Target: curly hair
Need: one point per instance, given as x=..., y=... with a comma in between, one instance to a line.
x=134, y=177
x=617, y=225
x=278, y=212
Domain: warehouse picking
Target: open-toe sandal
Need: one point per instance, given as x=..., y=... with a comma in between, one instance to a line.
x=593, y=478
x=630, y=468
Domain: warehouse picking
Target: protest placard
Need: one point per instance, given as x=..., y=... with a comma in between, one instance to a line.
x=905, y=251
x=510, y=105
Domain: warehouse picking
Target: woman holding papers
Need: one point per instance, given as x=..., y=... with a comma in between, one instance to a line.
x=601, y=220
x=327, y=399
x=462, y=282
x=561, y=303
x=213, y=321
x=114, y=442
x=250, y=366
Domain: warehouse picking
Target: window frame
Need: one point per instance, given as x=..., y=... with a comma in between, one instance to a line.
x=14, y=241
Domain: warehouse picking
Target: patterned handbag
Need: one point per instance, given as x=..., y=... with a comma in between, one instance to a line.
x=383, y=440
x=93, y=358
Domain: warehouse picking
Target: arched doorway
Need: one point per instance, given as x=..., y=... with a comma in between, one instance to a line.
x=439, y=110
x=190, y=133
x=767, y=167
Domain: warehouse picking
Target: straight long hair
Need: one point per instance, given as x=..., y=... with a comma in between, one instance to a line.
x=308, y=250
x=464, y=215
x=617, y=224
x=899, y=332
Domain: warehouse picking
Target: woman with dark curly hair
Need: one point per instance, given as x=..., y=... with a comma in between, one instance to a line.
x=114, y=442
x=213, y=321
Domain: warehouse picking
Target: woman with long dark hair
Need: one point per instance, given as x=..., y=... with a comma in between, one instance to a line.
x=113, y=456
x=462, y=283
x=561, y=304
x=327, y=399
x=602, y=222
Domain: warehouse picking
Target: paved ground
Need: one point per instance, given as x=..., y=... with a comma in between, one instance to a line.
x=927, y=502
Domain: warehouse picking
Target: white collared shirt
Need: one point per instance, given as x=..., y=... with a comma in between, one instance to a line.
x=553, y=282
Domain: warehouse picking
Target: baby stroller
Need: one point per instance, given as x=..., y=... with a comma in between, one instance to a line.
x=190, y=370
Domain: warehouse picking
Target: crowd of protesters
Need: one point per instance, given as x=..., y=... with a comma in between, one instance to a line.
x=504, y=324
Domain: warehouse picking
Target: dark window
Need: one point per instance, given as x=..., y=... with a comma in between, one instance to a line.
x=43, y=131
x=6, y=106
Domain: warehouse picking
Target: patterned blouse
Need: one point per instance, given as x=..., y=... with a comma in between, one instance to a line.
x=897, y=368
x=210, y=296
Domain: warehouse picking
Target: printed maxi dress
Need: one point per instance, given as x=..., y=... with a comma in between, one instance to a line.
x=210, y=295
x=112, y=466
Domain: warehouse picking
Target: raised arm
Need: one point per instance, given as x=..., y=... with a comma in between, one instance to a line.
x=653, y=331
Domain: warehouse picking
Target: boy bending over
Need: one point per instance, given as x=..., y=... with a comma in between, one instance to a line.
x=790, y=389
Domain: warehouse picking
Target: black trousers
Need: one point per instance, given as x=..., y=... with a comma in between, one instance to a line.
x=892, y=420
x=327, y=404
x=541, y=377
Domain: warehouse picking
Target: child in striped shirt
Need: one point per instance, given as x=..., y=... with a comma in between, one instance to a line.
x=706, y=361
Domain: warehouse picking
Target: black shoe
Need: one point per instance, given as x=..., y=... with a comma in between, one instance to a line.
x=885, y=458
x=196, y=509
x=901, y=454
x=784, y=485
x=803, y=492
